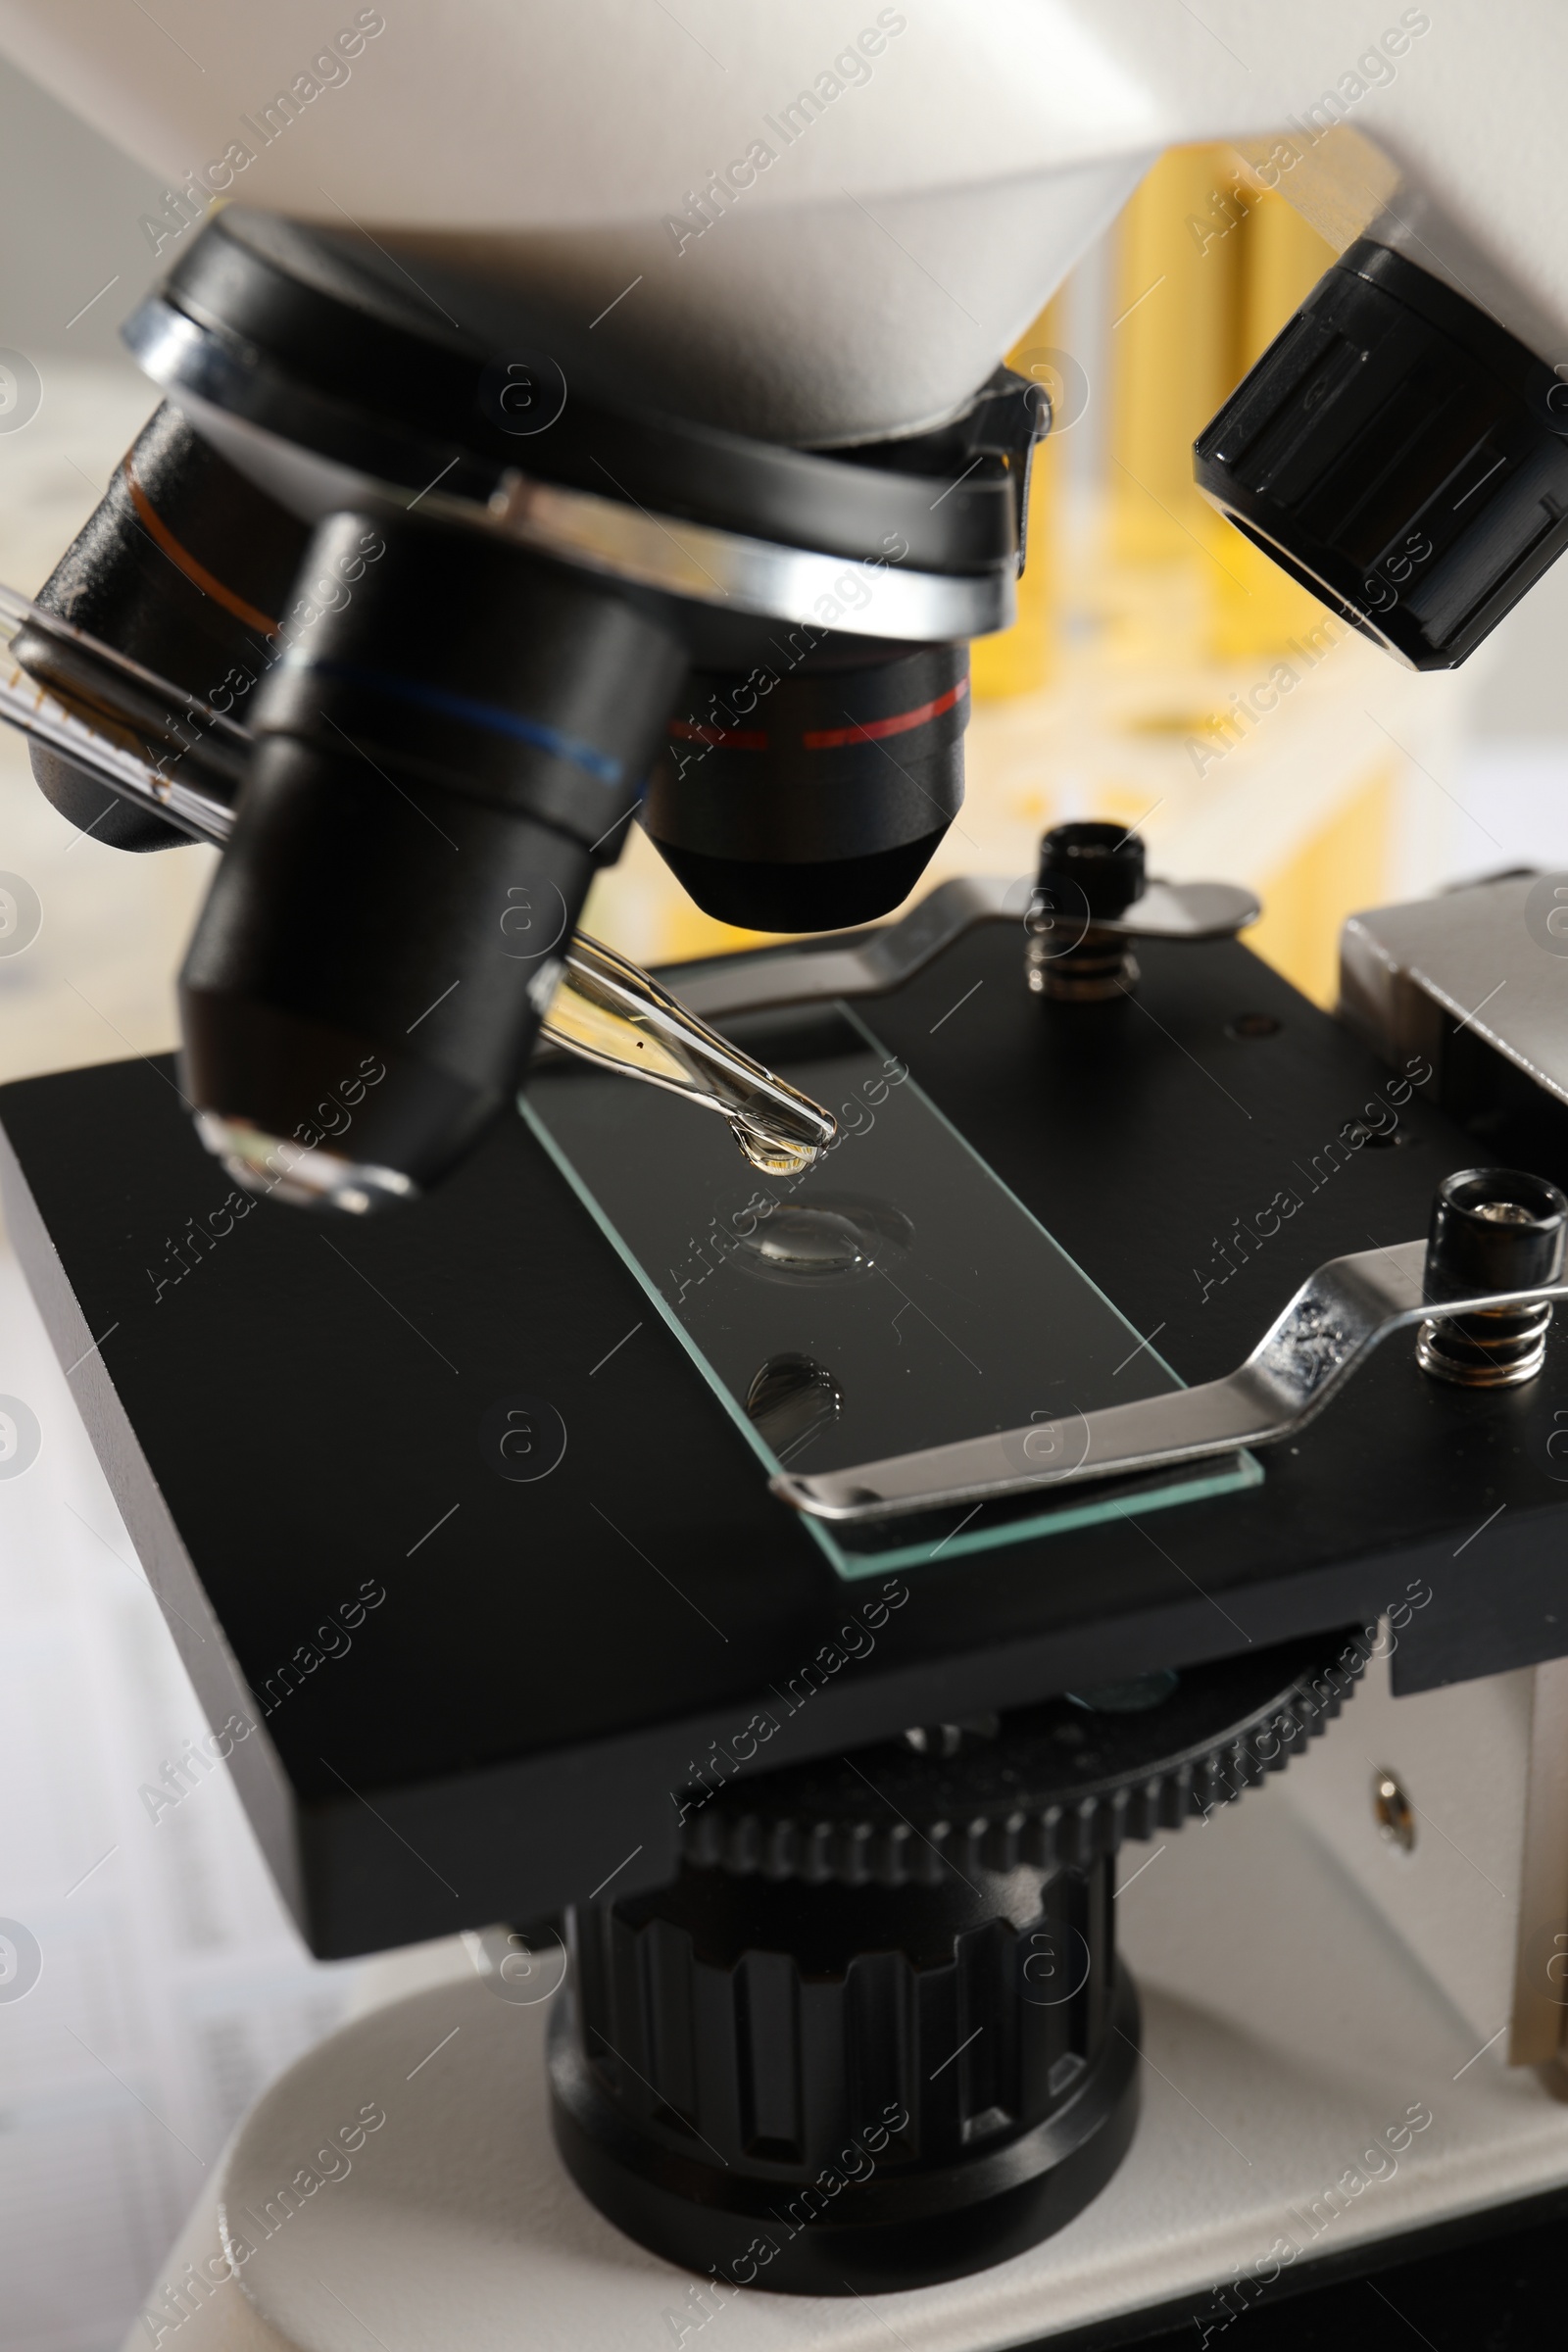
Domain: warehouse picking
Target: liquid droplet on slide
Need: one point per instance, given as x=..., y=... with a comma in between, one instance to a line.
x=841, y=1238
x=811, y=1244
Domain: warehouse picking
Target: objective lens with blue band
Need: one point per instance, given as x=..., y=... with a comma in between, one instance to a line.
x=489, y=715
x=418, y=772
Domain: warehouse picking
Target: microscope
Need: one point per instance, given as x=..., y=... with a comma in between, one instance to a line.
x=790, y=1585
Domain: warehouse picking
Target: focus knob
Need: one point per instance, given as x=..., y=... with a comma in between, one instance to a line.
x=795, y=2087
x=1399, y=454
x=875, y=2035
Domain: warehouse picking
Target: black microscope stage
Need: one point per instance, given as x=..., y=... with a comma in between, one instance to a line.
x=307, y=1416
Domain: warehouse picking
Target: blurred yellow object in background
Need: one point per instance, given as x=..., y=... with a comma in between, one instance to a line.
x=1338, y=871
x=1282, y=260
x=1177, y=302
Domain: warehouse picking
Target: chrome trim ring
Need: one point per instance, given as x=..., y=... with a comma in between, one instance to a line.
x=710, y=567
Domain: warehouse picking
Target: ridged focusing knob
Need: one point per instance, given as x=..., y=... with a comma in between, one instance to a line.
x=884, y=2087
x=875, y=2035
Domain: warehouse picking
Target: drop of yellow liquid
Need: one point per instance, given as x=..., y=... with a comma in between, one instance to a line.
x=613, y=1013
x=771, y=1154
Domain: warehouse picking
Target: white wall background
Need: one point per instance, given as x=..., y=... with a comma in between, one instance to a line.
x=173, y=1985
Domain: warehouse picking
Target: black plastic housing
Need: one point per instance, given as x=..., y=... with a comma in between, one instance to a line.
x=1399, y=454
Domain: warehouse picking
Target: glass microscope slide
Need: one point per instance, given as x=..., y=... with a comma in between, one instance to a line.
x=895, y=1295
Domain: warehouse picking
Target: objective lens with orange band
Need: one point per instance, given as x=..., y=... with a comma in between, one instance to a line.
x=181, y=569
x=179, y=553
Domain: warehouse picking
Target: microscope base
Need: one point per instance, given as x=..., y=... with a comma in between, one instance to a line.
x=1287, y=2034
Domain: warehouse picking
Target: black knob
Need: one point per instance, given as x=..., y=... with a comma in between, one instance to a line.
x=1105, y=862
x=1492, y=1229
x=1400, y=455
x=803, y=2086
x=875, y=2035
x=1495, y=1229
x=1090, y=873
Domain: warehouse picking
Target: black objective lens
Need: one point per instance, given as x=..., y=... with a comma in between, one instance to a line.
x=812, y=802
x=184, y=568
x=456, y=736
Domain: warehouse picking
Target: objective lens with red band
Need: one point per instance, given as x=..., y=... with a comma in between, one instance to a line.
x=822, y=739
x=809, y=799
